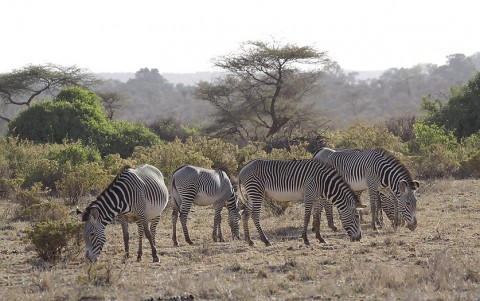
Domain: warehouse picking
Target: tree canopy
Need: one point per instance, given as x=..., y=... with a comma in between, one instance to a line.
x=76, y=114
x=461, y=112
x=263, y=90
x=22, y=86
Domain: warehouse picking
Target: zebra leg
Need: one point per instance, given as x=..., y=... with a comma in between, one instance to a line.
x=329, y=213
x=126, y=237
x=153, y=228
x=373, y=207
x=317, y=213
x=174, y=226
x=246, y=231
x=186, y=206
x=148, y=234
x=256, y=207
x=308, y=211
x=140, y=238
x=217, y=221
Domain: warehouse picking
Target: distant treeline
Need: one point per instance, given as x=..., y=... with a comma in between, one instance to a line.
x=343, y=98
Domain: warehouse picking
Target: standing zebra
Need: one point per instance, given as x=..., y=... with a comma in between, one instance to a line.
x=382, y=174
x=290, y=180
x=196, y=185
x=138, y=194
x=385, y=203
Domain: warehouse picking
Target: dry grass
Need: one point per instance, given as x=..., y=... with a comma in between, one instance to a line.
x=439, y=261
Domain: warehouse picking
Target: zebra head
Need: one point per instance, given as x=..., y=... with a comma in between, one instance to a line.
x=408, y=202
x=93, y=232
x=351, y=220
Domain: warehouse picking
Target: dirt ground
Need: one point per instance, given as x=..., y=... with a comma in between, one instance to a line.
x=440, y=260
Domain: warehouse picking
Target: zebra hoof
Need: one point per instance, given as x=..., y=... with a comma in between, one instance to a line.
x=251, y=243
x=155, y=259
x=267, y=244
x=139, y=259
x=190, y=242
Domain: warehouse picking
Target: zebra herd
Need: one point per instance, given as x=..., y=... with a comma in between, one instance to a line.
x=329, y=178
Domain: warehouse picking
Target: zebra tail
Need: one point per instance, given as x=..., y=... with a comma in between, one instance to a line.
x=174, y=193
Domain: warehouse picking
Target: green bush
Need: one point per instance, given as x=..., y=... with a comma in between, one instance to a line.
x=74, y=153
x=121, y=137
x=426, y=135
x=470, y=168
x=167, y=158
x=364, y=137
x=86, y=179
x=31, y=196
x=222, y=154
x=436, y=161
x=54, y=239
x=44, y=212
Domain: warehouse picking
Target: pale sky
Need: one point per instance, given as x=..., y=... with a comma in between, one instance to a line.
x=184, y=35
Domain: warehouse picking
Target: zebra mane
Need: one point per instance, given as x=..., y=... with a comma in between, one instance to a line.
x=116, y=178
x=396, y=161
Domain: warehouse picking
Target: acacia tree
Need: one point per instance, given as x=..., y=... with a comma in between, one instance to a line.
x=22, y=86
x=112, y=102
x=263, y=90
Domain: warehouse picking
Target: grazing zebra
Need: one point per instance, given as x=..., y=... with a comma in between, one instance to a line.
x=387, y=205
x=291, y=180
x=196, y=185
x=138, y=194
x=384, y=176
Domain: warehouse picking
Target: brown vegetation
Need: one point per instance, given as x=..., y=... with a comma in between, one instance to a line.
x=438, y=261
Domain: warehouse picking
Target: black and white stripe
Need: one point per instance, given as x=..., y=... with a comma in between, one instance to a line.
x=291, y=180
x=196, y=185
x=139, y=195
x=390, y=184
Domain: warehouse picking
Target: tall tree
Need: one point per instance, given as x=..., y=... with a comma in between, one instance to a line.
x=22, y=86
x=460, y=113
x=263, y=90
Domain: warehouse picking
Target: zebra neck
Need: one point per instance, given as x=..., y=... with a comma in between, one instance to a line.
x=107, y=213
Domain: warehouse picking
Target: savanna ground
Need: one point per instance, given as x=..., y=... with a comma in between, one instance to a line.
x=440, y=260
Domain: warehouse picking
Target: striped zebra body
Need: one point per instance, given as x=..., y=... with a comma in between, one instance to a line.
x=387, y=204
x=390, y=185
x=138, y=195
x=196, y=185
x=291, y=180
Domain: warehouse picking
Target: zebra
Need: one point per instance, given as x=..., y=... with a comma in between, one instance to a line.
x=289, y=180
x=196, y=185
x=139, y=195
x=322, y=156
x=383, y=175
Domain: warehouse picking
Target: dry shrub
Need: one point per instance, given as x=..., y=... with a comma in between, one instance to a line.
x=436, y=161
x=54, y=239
x=44, y=212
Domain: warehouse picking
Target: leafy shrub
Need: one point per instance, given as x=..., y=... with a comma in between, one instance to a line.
x=366, y=137
x=121, y=137
x=113, y=163
x=167, y=158
x=44, y=212
x=471, y=167
x=31, y=196
x=436, y=161
x=426, y=135
x=74, y=153
x=222, y=154
x=86, y=179
x=169, y=129
x=43, y=171
x=52, y=239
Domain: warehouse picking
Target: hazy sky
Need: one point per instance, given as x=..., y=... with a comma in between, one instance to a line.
x=183, y=36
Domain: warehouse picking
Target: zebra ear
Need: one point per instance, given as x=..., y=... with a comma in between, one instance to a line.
x=402, y=185
x=79, y=214
x=416, y=185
